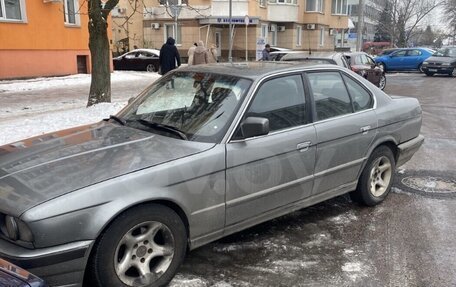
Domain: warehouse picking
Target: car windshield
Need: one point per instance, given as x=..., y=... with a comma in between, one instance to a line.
x=446, y=52
x=188, y=105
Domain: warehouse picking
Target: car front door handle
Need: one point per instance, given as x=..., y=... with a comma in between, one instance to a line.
x=303, y=146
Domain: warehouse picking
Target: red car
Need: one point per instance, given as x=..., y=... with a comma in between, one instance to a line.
x=364, y=65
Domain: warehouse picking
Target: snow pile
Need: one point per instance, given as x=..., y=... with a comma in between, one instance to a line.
x=69, y=81
x=21, y=128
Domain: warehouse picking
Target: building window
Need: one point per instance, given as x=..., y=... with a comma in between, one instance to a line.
x=12, y=10
x=295, y=2
x=339, y=7
x=315, y=5
x=273, y=29
x=173, y=2
x=298, y=35
x=171, y=30
x=71, y=12
x=264, y=32
x=262, y=3
x=322, y=36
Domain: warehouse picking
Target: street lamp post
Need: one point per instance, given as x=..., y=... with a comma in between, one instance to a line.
x=246, y=20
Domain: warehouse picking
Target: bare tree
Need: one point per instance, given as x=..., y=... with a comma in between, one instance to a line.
x=100, y=86
x=450, y=18
x=407, y=16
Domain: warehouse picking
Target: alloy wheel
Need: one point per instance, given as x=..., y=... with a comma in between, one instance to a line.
x=380, y=176
x=144, y=253
x=382, y=82
x=150, y=68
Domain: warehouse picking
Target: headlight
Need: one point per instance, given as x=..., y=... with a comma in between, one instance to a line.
x=425, y=63
x=446, y=64
x=15, y=229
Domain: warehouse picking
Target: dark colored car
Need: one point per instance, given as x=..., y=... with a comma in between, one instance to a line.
x=406, y=59
x=441, y=62
x=204, y=152
x=14, y=276
x=138, y=60
x=334, y=58
x=365, y=66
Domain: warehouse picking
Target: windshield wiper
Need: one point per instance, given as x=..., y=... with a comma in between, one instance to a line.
x=117, y=119
x=164, y=127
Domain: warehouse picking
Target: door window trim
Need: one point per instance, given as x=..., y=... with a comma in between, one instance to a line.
x=251, y=97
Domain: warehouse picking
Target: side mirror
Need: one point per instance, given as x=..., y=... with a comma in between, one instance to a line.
x=254, y=126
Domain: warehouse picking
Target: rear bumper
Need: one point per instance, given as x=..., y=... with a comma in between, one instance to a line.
x=408, y=149
x=61, y=265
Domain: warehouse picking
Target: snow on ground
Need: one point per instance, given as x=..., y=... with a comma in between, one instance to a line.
x=18, y=129
x=67, y=81
x=37, y=113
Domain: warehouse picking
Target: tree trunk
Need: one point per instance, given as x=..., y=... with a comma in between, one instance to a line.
x=100, y=86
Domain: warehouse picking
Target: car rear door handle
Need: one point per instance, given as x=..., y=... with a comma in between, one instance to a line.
x=365, y=129
x=303, y=146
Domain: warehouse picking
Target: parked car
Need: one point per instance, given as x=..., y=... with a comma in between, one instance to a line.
x=441, y=62
x=365, y=66
x=404, y=59
x=335, y=58
x=278, y=54
x=367, y=69
x=204, y=152
x=138, y=60
x=387, y=51
x=14, y=276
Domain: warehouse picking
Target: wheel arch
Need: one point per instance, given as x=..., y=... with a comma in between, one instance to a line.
x=164, y=202
x=388, y=142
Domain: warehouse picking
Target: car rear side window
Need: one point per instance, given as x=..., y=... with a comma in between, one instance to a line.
x=330, y=95
x=282, y=101
x=361, y=98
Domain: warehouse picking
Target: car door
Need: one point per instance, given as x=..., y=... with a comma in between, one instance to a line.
x=345, y=122
x=396, y=60
x=413, y=58
x=267, y=173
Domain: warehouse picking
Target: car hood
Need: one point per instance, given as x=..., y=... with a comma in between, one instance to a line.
x=434, y=59
x=41, y=168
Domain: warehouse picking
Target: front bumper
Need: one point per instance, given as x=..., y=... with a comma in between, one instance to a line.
x=408, y=149
x=438, y=69
x=61, y=265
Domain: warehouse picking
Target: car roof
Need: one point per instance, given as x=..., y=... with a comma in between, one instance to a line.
x=155, y=51
x=254, y=70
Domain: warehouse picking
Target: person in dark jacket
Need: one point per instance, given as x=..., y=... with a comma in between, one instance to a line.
x=169, y=56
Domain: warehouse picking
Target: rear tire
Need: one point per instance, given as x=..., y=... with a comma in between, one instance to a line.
x=376, y=179
x=143, y=246
x=420, y=68
x=151, y=68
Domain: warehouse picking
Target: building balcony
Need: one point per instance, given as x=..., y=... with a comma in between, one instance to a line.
x=282, y=12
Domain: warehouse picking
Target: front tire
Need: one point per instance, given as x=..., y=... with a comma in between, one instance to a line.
x=453, y=73
x=144, y=246
x=377, y=178
x=382, y=83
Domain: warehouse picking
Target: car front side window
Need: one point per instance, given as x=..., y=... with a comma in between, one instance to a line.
x=330, y=95
x=281, y=101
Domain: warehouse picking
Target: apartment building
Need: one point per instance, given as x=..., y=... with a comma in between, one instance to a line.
x=372, y=12
x=43, y=38
x=292, y=24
